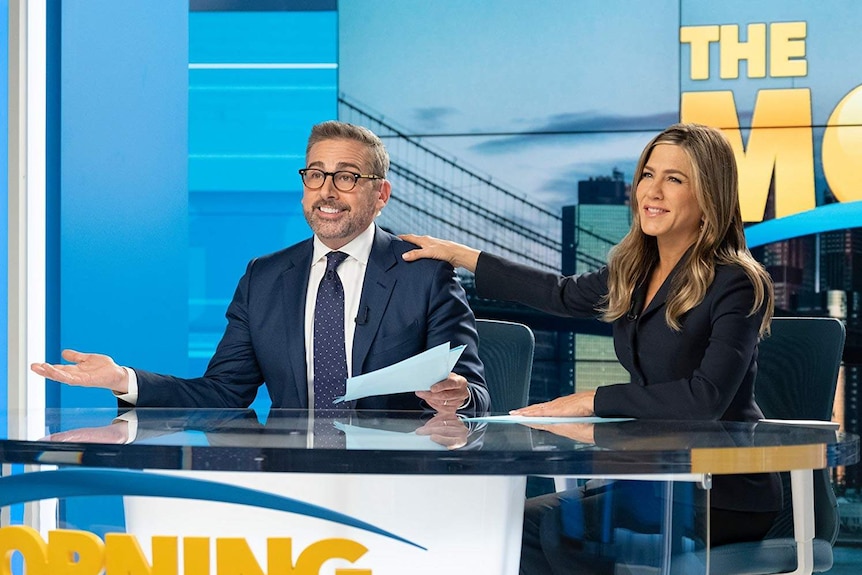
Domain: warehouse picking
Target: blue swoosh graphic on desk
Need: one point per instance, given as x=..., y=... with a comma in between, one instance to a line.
x=826, y=218
x=79, y=482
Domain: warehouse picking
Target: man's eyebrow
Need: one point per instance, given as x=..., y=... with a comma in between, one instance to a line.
x=338, y=166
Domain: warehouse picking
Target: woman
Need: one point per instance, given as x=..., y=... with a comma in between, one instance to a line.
x=688, y=304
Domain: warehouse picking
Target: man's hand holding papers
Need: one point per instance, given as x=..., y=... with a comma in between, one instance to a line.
x=429, y=374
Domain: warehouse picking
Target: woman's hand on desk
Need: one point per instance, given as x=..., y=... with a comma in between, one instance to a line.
x=580, y=432
x=446, y=429
x=579, y=404
x=115, y=434
x=86, y=370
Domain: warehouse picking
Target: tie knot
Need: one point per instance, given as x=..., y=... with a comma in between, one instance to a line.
x=333, y=260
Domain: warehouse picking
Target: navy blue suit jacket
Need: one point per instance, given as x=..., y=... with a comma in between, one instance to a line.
x=405, y=308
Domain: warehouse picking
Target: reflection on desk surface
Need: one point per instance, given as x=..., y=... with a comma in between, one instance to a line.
x=170, y=437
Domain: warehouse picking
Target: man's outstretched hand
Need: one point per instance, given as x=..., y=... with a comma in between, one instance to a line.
x=86, y=370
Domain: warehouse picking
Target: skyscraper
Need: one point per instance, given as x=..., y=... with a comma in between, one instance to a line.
x=591, y=228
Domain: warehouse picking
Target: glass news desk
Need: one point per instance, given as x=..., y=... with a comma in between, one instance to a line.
x=388, y=493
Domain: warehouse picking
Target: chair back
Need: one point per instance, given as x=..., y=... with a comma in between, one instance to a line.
x=797, y=373
x=797, y=368
x=506, y=350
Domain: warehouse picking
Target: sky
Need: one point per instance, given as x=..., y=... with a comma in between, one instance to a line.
x=474, y=79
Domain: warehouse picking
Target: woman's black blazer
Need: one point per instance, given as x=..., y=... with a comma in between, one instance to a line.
x=705, y=371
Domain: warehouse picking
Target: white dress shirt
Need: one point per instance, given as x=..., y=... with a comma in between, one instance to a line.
x=352, y=274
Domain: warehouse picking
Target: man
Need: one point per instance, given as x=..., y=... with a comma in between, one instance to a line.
x=376, y=309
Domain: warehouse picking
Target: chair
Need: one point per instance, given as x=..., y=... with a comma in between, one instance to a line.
x=796, y=379
x=506, y=350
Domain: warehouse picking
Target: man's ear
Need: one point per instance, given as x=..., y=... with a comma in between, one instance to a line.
x=384, y=192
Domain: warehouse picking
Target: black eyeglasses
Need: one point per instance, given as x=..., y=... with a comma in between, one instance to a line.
x=344, y=181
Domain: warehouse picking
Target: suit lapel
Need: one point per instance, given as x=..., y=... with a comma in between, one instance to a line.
x=661, y=295
x=632, y=320
x=657, y=303
x=295, y=283
x=376, y=292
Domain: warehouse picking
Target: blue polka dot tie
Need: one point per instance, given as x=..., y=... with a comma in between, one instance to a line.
x=330, y=358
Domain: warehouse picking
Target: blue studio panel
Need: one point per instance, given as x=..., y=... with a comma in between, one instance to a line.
x=258, y=81
x=123, y=185
x=121, y=255
x=17, y=511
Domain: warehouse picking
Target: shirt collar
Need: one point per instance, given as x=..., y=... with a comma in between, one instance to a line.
x=359, y=248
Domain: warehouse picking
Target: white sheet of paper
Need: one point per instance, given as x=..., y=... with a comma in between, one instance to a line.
x=417, y=373
x=544, y=420
x=358, y=437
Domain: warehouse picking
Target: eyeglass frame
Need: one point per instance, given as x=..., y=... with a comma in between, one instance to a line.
x=356, y=178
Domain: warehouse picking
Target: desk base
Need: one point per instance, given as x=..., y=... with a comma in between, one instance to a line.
x=467, y=524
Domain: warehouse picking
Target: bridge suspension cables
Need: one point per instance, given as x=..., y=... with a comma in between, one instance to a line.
x=439, y=196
